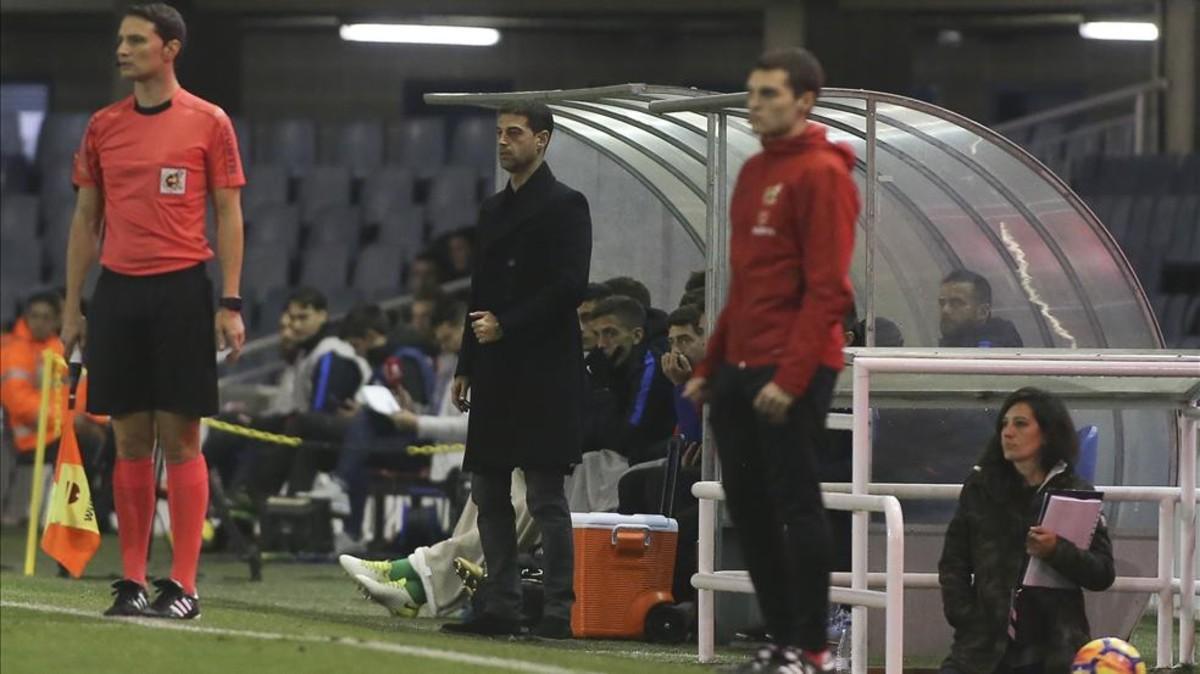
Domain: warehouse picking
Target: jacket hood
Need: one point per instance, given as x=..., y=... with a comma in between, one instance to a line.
x=814, y=138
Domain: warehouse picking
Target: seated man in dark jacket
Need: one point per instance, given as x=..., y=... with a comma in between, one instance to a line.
x=965, y=303
x=632, y=409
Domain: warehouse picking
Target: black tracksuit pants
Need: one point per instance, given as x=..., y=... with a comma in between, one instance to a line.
x=773, y=492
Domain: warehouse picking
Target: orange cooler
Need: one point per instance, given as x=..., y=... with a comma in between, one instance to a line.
x=624, y=566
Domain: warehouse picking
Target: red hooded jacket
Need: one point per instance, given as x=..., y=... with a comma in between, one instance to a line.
x=792, y=220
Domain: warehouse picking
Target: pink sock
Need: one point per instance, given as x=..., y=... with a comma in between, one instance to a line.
x=187, y=497
x=133, y=498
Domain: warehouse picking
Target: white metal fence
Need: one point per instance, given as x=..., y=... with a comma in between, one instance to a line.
x=1176, y=537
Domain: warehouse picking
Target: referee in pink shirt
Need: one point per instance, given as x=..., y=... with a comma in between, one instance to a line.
x=145, y=171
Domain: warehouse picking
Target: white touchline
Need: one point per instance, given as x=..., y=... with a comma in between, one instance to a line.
x=383, y=646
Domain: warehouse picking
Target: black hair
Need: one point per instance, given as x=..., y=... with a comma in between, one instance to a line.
x=307, y=296
x=596, y=292
x=695, y=281
x=1060, y=442
x=625, y=309
x=362, y=319
x=979, y=285
x=686, y=315
x=630, y=287
x=538, y=115
x=45, y=297
x=693, y=298
x=450, y=311
x=167, y=20
x=804, y=71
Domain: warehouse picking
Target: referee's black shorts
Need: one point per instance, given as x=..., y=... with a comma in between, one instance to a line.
x=151, y=344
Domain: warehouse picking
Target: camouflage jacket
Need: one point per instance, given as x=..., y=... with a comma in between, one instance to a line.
x=981, y=564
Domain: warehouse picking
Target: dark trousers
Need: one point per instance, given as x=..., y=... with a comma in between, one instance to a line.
x=773, y=493
x=370, y=435
x=547, y=502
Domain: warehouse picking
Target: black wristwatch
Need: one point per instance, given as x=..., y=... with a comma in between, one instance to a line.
x=231, y=304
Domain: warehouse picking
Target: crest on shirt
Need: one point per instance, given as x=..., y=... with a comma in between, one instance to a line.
x=172, y=181
x=771, y=194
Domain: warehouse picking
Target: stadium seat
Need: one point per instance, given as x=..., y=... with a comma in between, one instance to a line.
x=19, y=217
x=277, y=225
x=57, y=181
x=357, y=145
x=335, y=224
x=1187, y=178
x=10, y=134
x=264, y=267
x=8, y=302
x=403, y=227
x=271, y=304
x=60, y=137
x=1158, y=239
x=325, y=266
x=56, y=218
x=20, y=263
x=342, y=299
x=291, y=143
x=266, y=185
x=385, y=190
x=377, y=270
x=14, y=175
x=418, y=143
x=450, y=219
x=453, y=200
x=1133, y=240
x=244, y=130
x=473, y=144
x=1173, y=321
x=1089, y=449
x=322, y=187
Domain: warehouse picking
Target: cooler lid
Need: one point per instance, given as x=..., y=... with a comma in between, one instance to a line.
x=611, y=520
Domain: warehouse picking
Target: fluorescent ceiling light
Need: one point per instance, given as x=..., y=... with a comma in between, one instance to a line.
x=1138, y=31
x=420, y=34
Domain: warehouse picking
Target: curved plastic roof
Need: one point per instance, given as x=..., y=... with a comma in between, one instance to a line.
x=950, y=194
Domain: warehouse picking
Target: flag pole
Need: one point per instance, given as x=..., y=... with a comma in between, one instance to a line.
x=49, y=365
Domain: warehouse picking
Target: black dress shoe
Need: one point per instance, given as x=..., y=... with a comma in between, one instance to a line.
x=486, y=625
x=553, y=628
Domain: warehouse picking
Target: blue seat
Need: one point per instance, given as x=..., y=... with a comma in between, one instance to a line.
x=322, y=187
x=291, y=143
x=357, y=145
x=19, y=216
x=418, y=143
x=60, y=137
x=266, y=185
x=473, y=144
x=386, y=190
x=1089, y=448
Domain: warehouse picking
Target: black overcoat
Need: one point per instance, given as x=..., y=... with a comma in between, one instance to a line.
x=531, y=268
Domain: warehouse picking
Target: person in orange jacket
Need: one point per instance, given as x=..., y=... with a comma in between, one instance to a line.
x=21, y=369
x=21, y=378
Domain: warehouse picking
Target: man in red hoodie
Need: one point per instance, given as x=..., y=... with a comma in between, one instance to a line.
x=774, y=356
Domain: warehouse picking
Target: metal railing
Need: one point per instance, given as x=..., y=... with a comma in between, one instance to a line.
x=1166, y=584
x=891, y=599
x=1180, y=367
x=1131, y=119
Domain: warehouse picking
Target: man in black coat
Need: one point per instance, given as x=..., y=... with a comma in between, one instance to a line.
x=522, y=362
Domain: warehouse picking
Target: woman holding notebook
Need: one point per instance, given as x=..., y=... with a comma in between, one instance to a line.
x=1006, y=618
